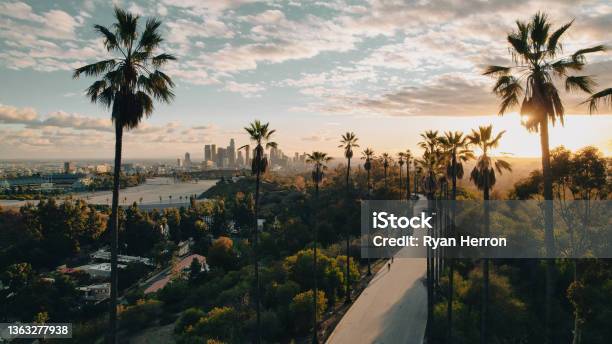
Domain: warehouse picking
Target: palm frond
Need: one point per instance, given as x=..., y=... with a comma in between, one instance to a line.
x=604, y=96
x=496, y=70
x=553, y=41
x=578, y=56
x=584, y=83
x=161, y=59
x=95, y=69
x=150, y=38
x=110, y=40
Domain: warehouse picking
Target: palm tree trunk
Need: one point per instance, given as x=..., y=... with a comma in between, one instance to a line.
x=548, y=227
x=451, y=265
x=400, y=183
x=114, y=234
x=256, y=254
x=369, y=195
x=315, y=337
x=430, y=300
x=485, y=273
x=407, y=180
x=348, y=257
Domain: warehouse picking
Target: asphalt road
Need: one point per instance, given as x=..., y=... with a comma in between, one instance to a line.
x=392, y=309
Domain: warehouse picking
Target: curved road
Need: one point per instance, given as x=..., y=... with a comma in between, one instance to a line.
x=392, y=309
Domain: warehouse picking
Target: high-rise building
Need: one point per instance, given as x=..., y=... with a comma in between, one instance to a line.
x=221, y=158
x=213, y=152
x=231, y=154
x=69, y=167
x=179, y=162
x=187, y=161
x=240, y=160
x=247, y=158
x=207, y=153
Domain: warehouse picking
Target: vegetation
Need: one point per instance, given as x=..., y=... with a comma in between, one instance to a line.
x=273, y=280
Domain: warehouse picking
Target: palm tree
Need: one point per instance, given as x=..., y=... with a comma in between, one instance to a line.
x=408, y=157
x=386, y=160
x=130, y=80
x=537, y=62
x=456, y=146
x=367, y=155
x=348, y=142
x=430, y=170
x=483, y=176
x=261, y=135
x=431, y=161
x=400, y=162
x=318, y=159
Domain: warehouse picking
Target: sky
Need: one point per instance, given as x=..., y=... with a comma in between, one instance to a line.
x=384, y=69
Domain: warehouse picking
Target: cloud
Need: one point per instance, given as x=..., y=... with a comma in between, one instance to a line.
x=246, y=89
x=12, y=115
x=31, y=119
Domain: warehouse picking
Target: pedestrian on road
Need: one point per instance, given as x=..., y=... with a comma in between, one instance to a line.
x=392, y=259
x=388, y=266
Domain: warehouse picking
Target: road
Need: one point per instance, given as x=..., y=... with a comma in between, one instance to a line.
x=392, y=309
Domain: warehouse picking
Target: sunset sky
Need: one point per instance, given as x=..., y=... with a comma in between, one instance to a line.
x=386, y=70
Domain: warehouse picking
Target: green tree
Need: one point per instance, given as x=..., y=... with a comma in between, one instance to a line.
x=221, y=254
x=302, y=309
x=130, y=79
x=537, y=55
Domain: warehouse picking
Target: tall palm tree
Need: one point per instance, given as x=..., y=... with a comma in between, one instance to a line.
x=400, y=161
x=537, y=61
x=386, y=160
x=408, y=157
x=456, y=147
x=367, y=155
x=130, y=79
x=483, y=176
x=261, y=135
x=430, y=167
x=318, y=160
x=431, y=161
x=348, y=142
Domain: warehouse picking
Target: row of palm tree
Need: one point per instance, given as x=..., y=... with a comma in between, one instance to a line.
x=442, y=160
x=130, y=79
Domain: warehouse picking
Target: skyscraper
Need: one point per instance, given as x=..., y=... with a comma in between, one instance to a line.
x=231, y=154
x=187, y=161
x=213, y=152
x=221, y=158
x=247, y=158
x=207, y=153
x=239, y=160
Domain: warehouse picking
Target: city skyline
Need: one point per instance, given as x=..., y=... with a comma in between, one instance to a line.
x=313, y=70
